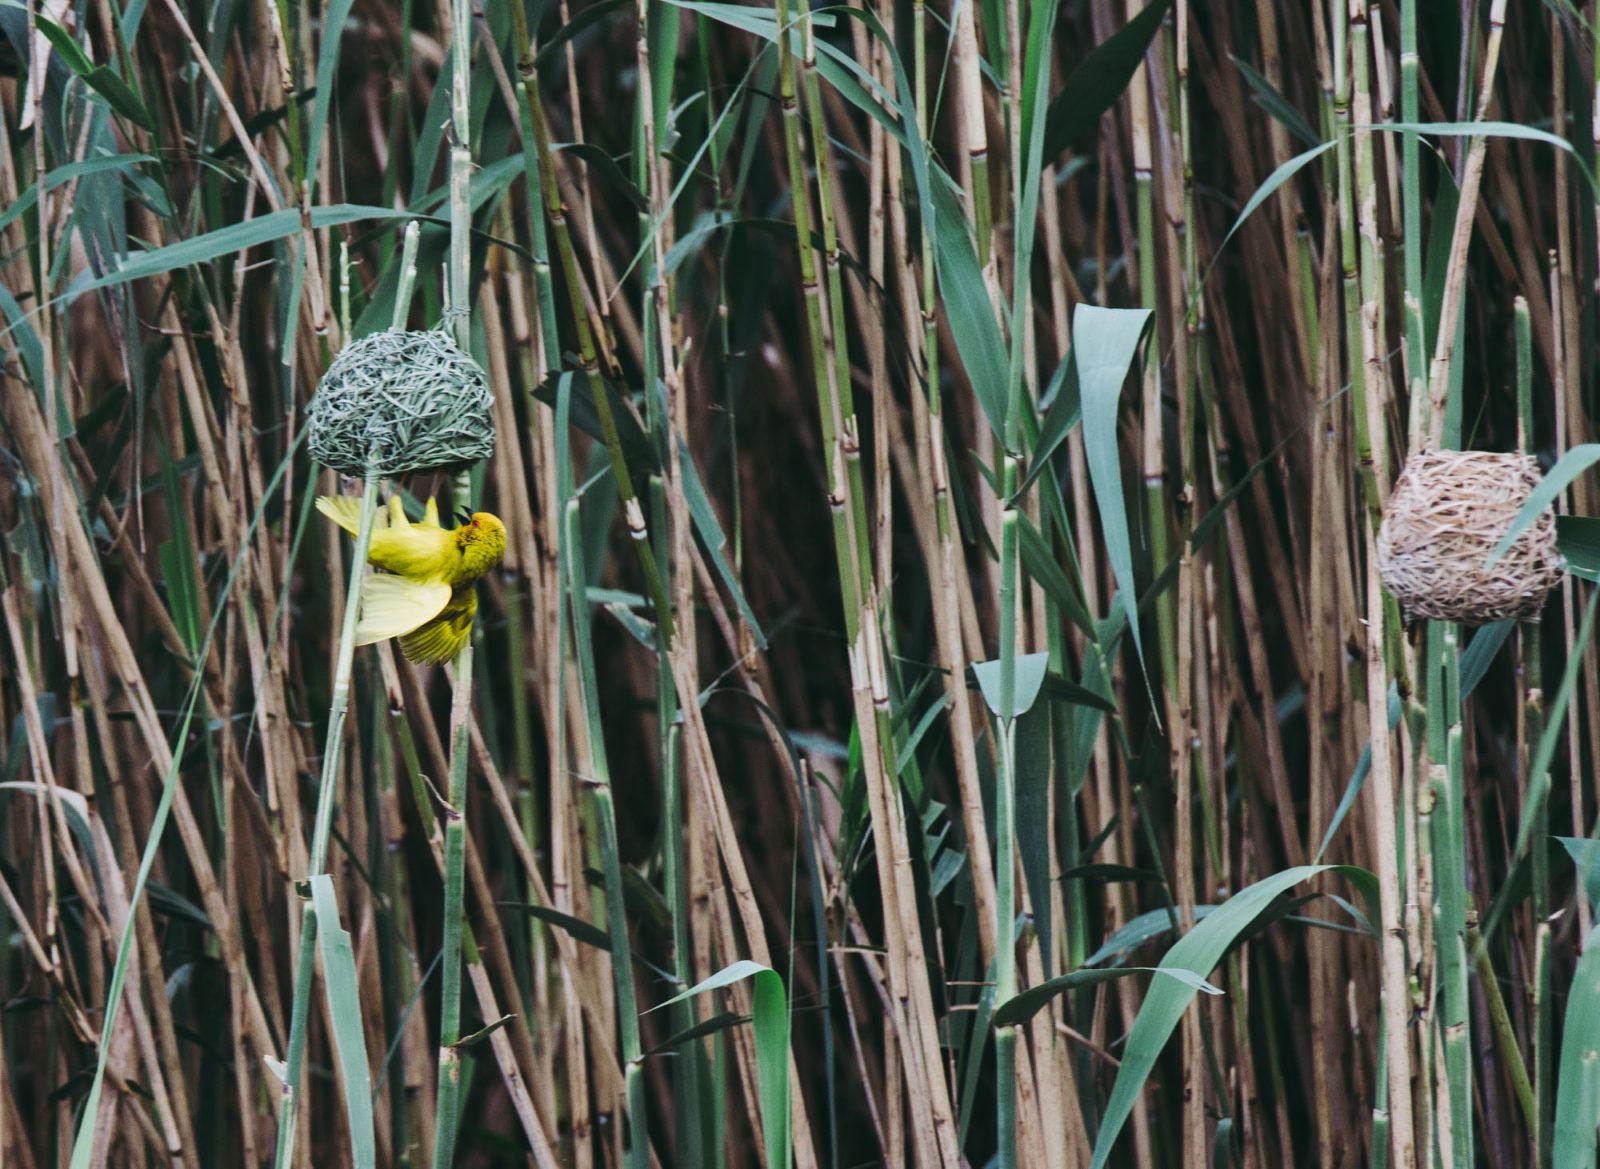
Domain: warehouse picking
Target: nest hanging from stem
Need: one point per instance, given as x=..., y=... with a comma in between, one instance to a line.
x=1448, y=511
x=399, y=401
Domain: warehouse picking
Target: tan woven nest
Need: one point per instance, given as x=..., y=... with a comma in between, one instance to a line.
x=1448, y=511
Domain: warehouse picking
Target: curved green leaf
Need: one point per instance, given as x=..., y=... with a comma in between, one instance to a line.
x=1268, y=97
x=236, y=237
x=1578, y=1081
x=1572, y=464
x=1197, y=953
x=1146, y=927
x=770, y=1014
x=1490, y=130
x=1094, y=86
x=1024, y=1006
x=1269, y=187
x=1578, y=537
x=967, y=308
x=1104, y=344
x=344, y=1009
x=100, y=78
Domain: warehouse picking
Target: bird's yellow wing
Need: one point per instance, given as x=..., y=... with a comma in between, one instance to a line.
x=392, y=605
x=421, y=551
x=415, y=551
x=441, y=638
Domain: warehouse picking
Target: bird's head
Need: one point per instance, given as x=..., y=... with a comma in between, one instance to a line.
x=481, y=537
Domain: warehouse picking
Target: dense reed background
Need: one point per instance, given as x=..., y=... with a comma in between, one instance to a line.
x=834, y=352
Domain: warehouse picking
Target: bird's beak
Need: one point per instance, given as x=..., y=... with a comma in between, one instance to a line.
x=463, y=517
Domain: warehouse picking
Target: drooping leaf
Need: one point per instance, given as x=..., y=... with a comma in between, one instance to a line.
x=1033, y=773
x=64, y=43
x=1063, y=407
x=1492, y=130
x=726, y=1021
x=589, y=14
x=1146, y=927
x=1028, y=1003
x=344, y=1009
x=585, y=931
x=100, y=78
x=1094, y=86
x=711, y=535
x=1578, y=1080
x=1198, y=953
x=637, y=450
x=1110, y=872
x=67, y=173
x=225, y=241
x=967, y=307
x=1270, y=185
x=1105, y=342
x=770, y=1014
x=1585, y=854
x=602, y=164
x=1578, y=537
x=1572, y=464
x=1042, y=569
x=1266, y=96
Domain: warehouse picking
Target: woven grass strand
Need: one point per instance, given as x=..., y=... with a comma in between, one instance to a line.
x=399, y=401
x=1447, y=512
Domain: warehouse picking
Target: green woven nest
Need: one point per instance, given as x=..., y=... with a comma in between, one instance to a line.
x=396, y=402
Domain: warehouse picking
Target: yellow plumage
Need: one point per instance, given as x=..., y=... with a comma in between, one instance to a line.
x=424, y=594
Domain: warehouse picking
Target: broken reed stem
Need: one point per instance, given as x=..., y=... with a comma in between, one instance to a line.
x=1461, y=236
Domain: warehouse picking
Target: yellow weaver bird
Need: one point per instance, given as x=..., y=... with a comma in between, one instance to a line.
x=424, y=595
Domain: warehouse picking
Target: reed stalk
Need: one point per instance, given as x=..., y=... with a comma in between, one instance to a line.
x=1363, y=346
x=665, y=341
x=332, y=765
x=455, y=809
x=1541, y=1117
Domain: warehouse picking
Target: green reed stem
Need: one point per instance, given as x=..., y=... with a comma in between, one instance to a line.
x=638, y=1156
x=1541, y=1116
x=1451, y=934
x=633, y=511
x=455, y=812
x=332, y=758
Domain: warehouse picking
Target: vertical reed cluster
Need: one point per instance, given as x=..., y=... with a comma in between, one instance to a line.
x=939, y=705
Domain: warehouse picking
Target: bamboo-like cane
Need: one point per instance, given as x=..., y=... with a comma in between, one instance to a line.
x=332, y=758
x=455, y=812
